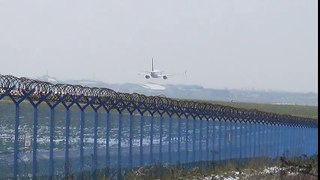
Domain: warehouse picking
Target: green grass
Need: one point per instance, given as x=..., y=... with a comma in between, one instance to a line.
x=294, y=110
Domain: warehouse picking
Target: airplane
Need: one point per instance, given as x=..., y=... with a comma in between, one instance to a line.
x=155, y=73
x=158, y=73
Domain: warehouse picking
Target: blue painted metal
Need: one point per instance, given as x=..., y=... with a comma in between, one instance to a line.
x=35, y=148
x=237, y=141
x=294, y=133
x=151, y=139
x=212, y=140
x=66, y=156
x=16, y=131
x=299, y=139
x=259, y=139
x=252, y=135
x=51, y=169
x=233, y=140
x=52, y=119
x=82, y=118
x=119, y=146
x=161, y=140
x=263, y=150
x=220, y=139
x=200, y=142
x=95, y=146
x=141, y=140
x=232, y=150
x=278, y=140
x=241, y=137
x=266, y=140
x=225, y=141
x=16, y=145
x=35, y=133
x=107, y=143
x=207, y=141
x=255, y=140
x=131, y=141
x=187, y=141
x=194, y=141
x=281, y=144
x=229, y=140
x=246, y=141
x=170, y=140
x=179, y=140
x=270, y=137
x=286, y=141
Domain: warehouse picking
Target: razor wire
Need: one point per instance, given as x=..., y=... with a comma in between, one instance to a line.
x=139, y=103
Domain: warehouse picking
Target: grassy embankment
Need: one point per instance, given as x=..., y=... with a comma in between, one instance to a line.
x=294, y=110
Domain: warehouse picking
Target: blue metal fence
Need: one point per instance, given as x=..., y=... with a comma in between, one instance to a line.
x=57, y=130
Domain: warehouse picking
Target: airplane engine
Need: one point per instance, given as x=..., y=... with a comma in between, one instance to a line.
x=164, y=77
x=147, y=76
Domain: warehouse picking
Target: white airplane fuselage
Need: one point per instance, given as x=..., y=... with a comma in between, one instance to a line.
x=155, y=73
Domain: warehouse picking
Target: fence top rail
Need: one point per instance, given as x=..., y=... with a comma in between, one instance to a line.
x=112, y=100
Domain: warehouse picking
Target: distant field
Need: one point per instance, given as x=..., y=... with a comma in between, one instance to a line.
x=294, y=110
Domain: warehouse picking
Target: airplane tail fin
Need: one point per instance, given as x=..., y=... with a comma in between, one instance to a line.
x=152, y=65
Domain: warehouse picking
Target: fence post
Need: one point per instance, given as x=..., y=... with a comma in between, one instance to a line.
x=240, y=141
x=16, y=143
x=130, y=140
x=232, y=139
x=245, y=140
x=179, y=139
x=16, y=131
x=35, y=132
x=52, y=117
x=161, y=138
x=250, y=141
x=258, y=141
x=264, y=149
x=226, y=139
x=220, y=139
x=207, y=142
x=119, y=146
x=95, y=144
x=213, y=141
x=170, y=139
x=281, y=143
x=67, y=166
x=82, y=117
x=107, y=143
x=294, y=137
x=151, y=139
x=51, y=170
x=194, y=141
x=141, y=140
x=187, y=140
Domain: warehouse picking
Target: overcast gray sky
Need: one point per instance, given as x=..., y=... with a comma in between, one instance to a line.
x=235, y=44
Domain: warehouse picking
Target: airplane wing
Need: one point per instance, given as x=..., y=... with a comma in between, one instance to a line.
x=144, y=73
x=177, y=74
